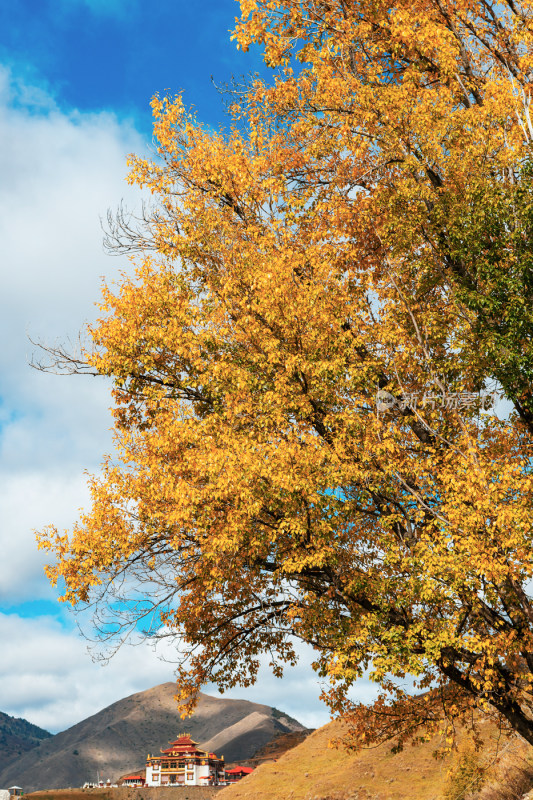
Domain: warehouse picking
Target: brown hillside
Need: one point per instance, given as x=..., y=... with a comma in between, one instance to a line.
x=315, y=771
x=117, y=739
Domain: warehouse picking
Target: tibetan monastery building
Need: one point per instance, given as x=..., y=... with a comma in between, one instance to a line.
x=237, y=774
x=184, y=764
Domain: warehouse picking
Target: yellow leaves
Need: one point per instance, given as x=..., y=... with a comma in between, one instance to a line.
x=297, y=267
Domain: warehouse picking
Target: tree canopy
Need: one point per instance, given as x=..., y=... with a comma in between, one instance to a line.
x=322, y=296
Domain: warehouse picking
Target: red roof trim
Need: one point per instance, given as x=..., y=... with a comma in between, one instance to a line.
x=181, y=740
x=236, y=770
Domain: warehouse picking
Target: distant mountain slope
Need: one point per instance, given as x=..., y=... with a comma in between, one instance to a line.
x=117, y=739
x=18, y=736
x=277, y=747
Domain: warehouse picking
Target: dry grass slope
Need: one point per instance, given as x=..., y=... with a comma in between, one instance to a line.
x=315, y=771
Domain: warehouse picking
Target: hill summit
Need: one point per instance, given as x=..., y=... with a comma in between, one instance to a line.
x=117, y=739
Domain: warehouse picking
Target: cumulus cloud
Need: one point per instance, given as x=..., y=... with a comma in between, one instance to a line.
x=60, y=172
x=48, y=677
x=29, y=501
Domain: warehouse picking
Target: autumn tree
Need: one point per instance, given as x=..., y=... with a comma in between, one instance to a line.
x=364, y=226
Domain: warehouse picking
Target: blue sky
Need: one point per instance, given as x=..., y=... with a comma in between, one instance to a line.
x=76, y=78
x=113, y=55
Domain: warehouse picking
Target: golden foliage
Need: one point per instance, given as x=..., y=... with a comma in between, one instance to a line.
x=363, y=225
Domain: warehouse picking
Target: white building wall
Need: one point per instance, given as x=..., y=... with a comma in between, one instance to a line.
x=152, y=777
x=198, y=776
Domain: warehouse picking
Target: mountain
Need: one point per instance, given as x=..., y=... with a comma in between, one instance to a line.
x=16, y=737
x=277, y=747
x=117, y=739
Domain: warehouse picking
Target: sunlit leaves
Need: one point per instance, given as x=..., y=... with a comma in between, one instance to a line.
x=364, y=225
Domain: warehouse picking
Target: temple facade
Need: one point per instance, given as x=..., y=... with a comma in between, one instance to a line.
x=182, y=763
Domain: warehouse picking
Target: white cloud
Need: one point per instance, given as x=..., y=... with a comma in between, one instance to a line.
x=47, y=676
x=29, y=501
x=60, y=172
